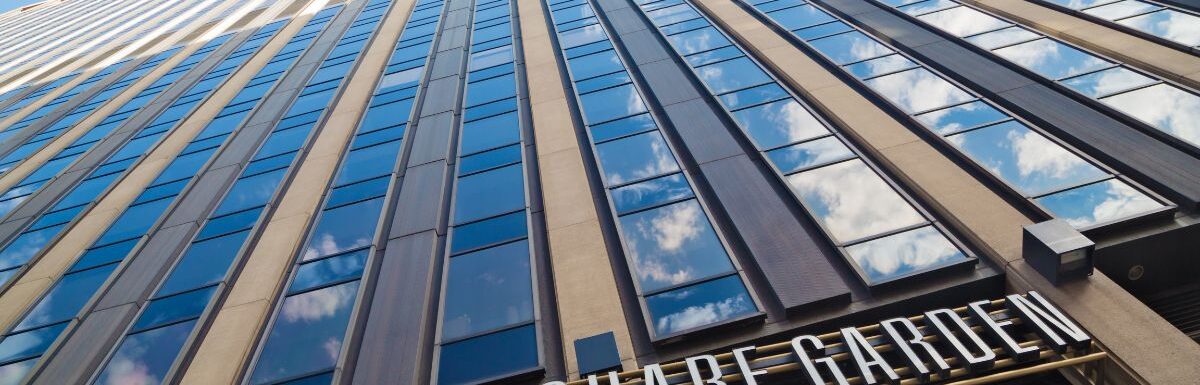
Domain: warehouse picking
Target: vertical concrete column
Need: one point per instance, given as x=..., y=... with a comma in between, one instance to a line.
x=56, y=259
x=230, y=340
x=1160, y=59
x=971, y=207
x=584, y=283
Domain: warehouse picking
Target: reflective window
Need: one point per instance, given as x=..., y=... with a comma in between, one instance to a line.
x=809, y=154
x=1003, y=37
x=962, y=21
x=918, y=90
x=1025, y=159
x=957, y=118
x=104, y=254
x=924, y=7
x=612, y=103
x=635, y=157
x=622, y=127
x=1102, y=202
x=693, y=306
x=732, y=75
x=1121, y=9
x=332, y=269
x=204, y=263
x=30, y=343
x=1164, y=107
x=698, y=40
x=779, y=123
x=489, y=159
x=879, y=66
x=369, y=162
x=490, y=193
x=1168, y=24
x=752, y=96
x=460, y=363
x=851, y=201
x=344, y=228
x=1106, y=82
x=651, y=193
x=673, y=244
x=65, y=299
x=800, y=17
x=849, y=47
x=249, y=192
x=146, y=356
x=488, y=289
x=599, y=63
x=174, y=308
x=1052, y=59
x=315, y=318
x=904, y=253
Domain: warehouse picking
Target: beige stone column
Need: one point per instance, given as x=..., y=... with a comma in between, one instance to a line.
x=45, y=270
x=232, y=337
x=584, y=283
x=1132, y=49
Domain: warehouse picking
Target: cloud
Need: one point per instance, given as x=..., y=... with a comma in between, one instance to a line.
x=1037, y=155
x=902, y=253
x=918, y=90
x=1164, y=107
x=852, y=201
x=694, y=316
x=671, y=228
x=316, y=305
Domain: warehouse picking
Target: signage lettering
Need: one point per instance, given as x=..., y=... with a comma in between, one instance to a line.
x=921, y=357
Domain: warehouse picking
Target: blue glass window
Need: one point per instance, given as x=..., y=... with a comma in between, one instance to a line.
x=715, y=301
x=460, y=362
x=344, y=228
x=287, y=353
x=489, y=193
x=651, y=193
x=488, y=289
x=779, y=123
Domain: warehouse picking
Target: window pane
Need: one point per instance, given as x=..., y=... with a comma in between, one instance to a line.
x=204, y=263
x=580, y=36
x=495, y=230
x=800, y=17
x=26, y=246
x=908, y=252
x=30, y=343
x=146, y=357
x=927, y=6
x=752, y=96
x=489, y=193
x=1025, y=159
x=673, y=245
x=488, y=289
x=67, y=297
x=103, y=255
x=1099, y=202
x=879, y=66
x=1121, y=9
x=822, y=30
x=358, y=191
x=962, y=21
x=1003, y=37
x=702, y=39
x=809, y=154
x=307, y=334
x=250, y=192
x=961, y=117
x=1107, y=81
x=344, y=228
x=17, y=371
x=174, y=308
x=491, y=90
x=490, y=159
x=329, y=270
x=611, y=103
x=713, y=56
x=491, y=132
x=368, y=162
x=731, y=75
x=599, y=63
x=476, y=359
x=672, y=14
x=650, y=193
x=849, y=47
x=617, y=128
x=1051, y=59
x=779, y=123
x=1168, y=24
x=852, y=201
x=635, y=157
x=229, y=223
x=1163, y=107
x=917, y=90
x=699, y=305
x=603, y=81
x=135, y=221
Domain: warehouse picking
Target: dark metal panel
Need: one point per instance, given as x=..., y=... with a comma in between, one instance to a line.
x=668, y=82
x=431, y=140
x=792, y=254
x=706, y=138
x=420, y=203
x=399, y=315
x=452, y=38
x=447, y=63
x=994, y=78
x=456, y=18
x=644, y=47
x=441, y=95
x=135, y=281
x=76, y=357
x=626, y=20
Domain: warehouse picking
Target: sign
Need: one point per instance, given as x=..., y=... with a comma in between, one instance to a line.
x=935, y=345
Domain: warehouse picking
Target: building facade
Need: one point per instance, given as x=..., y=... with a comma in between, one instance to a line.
x=600, y=192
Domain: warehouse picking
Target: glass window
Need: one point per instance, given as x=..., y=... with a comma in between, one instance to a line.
x=1168, y=24
x=580, y=36
x=1121, y=9
x=475, y=359
x=229, y=223
x=251, y=191
x=491, y=57
x=204, y=263
x=800, y=17
x=146, y=357
x=386, y=115
x=283, y=141
x=918, y=90
x=612, y=103
x=732, y=75
x=621, y=127
x=104, y=254
x=703, y=304
x=809, y=154
x=1164, y=107
x=488, y=232
x=135, y=222
x=904, y=253
x=599, y=63
x=961, y=117
x=588, y=48
x=880, y=66
x=1108, y=81
x=486, y=194
x=1051, y=59
x=849, y=47
x=713, y=56
x=307, y=334
x=358, y=191
x=562, y=15
x=184, y=166
x=489, y=90
x=1003, y=37
x=86, y=192
x=684, y=26
x=752, y=96
x=344, y=228
x=779, y=123
x=329, y=270
x=490, y=109
x=635, y=157
x=672, y=245
x=702, y=39
x=651, y=193
x=490, y=159
x=174, y=308
x=488, y=289
x=26, y=246
x=18, y=369
x=56, y=217
x=924, y=7
x=66, y=298
x=1106, y=201
x=851, y=201
x=30, y=343
x=369, y=162
x=963, y=21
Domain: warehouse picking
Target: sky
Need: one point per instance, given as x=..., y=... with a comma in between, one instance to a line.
x=6, y=5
